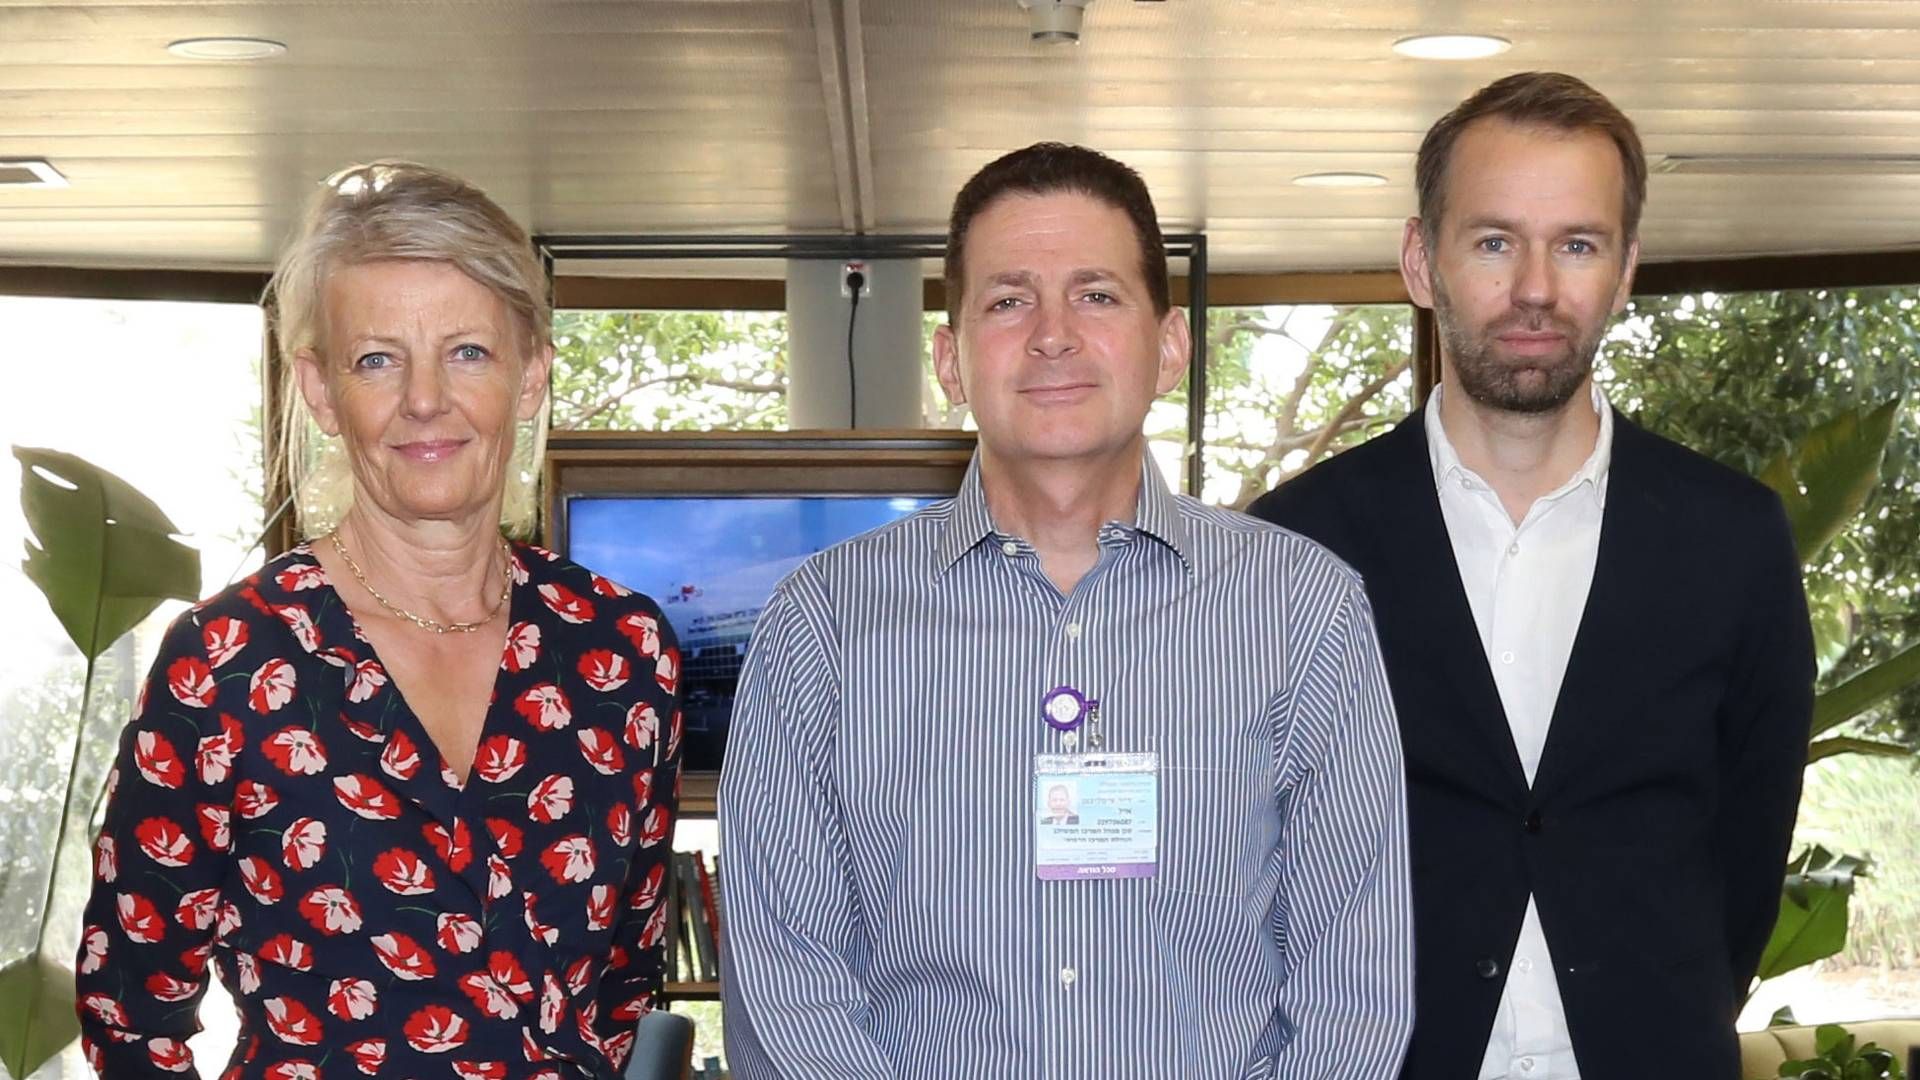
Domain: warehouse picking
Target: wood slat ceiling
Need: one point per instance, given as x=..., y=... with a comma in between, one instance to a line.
x=759, y=116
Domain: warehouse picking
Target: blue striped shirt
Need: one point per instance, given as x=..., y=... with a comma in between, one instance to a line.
x=884, y=917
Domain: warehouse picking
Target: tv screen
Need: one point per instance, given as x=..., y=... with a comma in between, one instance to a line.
x=711, y=563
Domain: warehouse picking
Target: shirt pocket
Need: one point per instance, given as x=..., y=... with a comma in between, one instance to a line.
x=1217, y=827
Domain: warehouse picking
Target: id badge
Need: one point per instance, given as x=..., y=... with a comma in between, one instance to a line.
x=1096, y=816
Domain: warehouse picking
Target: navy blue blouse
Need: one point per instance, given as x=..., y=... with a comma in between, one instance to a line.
x=278, y=813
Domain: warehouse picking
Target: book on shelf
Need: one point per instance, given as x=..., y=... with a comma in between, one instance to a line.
x=693, y=920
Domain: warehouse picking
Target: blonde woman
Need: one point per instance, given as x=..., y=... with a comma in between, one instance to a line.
x=407, y=789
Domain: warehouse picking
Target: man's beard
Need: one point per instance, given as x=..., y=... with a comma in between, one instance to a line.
x=1537, y=384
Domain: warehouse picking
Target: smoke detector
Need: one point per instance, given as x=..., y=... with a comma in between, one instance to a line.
x=1055, y=22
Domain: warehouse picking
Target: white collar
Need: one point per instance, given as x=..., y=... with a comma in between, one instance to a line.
x=1592, y=473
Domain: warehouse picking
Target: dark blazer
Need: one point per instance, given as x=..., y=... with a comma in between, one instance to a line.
x=1654, y=835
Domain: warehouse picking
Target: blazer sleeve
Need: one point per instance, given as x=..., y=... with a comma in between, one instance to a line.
x=1764, y=724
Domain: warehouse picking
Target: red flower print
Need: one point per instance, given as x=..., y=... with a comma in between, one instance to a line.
x=295, y=751
x=544, y=706
x=195, y=959
x=435, y=1030
x=292, y=1022
x=164, y=841
x=248, y=969
x=553, y=1002
x=366, y=796
x=643, y=630
x=455, y=848
x=153, y=755
x=139, y=919
x=488, y=996
x=609, y=587
x=617, y=1048
x=170, y=1055
x=300, y=577
x=656, y=826
x=261, y=880
x=213, y=826
x=674, y=728
x=480, y=1070
x=224, y=638
x=620, y=824
x=198, y=909
x=93, y=945
x=601, y=751
x=331, y=910
x=544, y=932
x=565, y=603
x=288, y=952
x=580, y=975
x=506, y=836
x=216, y=752
x=604, y=669
x=352, y=999
x=254, y=799
x=271, y=686
x=457, y=934
x=569, y=860
x=666, y=671
x=167, y=988
x=191, y=681
x=649, y=892
x=499, y=879
x=506, y=971
x=551, y=799
x=369, y=1055
x=363, y=730
x=106, y=861
x=403, y=956
x=523, y=647
x=105, y=1009
x=656, y=927
x=499, y=758
x=403, y=872
x=643, y=726
x=368, y=678
x=300, y=621
x=293, y=1070
x=304, y=843
x=600, y=908
x=642, y=788
x=400, y=760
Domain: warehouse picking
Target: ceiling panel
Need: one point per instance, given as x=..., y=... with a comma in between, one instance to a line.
x=664, y=116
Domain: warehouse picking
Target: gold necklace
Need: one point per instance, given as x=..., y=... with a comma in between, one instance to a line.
x=436, y=626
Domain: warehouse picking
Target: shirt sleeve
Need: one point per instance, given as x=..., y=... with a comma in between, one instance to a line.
x=1764, y=724
x=163, y=856
x=795, y=1006
x=636, y=959
x=1343, y=918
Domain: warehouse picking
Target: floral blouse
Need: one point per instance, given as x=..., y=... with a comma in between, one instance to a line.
x=278, y=813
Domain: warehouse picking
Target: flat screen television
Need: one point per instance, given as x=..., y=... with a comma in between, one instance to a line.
x=708, y=524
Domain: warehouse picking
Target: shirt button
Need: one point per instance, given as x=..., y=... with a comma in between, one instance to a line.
x=1073, y=631
x=1523, y=965
x=1009, y=548
x=1526, y=1064
x=1513, y=548
x=1532, y=824
x=1507, y=657
x=1488, y=968
x=1068, y=976
x=1069, y=740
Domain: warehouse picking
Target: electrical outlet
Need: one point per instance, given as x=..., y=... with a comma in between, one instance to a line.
x=850, y=268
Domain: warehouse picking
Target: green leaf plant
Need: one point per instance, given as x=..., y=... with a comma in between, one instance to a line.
x=105, y=556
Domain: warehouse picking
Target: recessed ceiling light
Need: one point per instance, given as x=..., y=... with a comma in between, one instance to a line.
x=1451, y=46
x=226, y=48
x=1340, y=179
x=30, y=173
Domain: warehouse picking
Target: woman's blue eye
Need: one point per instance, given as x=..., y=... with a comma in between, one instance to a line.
x=373, y=361
x=470, y=352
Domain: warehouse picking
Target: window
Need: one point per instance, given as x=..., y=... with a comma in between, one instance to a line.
x=167, y=396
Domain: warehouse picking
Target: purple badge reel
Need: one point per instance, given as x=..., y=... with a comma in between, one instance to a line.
x=1096, y=815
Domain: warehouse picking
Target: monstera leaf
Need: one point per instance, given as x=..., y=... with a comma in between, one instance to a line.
x=1826, y=476
x=105, y=556
x=1813, y=910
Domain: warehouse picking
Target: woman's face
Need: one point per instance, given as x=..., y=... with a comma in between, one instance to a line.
x=422, y=372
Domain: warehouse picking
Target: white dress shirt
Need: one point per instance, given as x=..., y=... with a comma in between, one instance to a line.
x=1527, y=584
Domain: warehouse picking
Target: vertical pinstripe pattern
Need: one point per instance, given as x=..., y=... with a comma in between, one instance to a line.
x=884, y=917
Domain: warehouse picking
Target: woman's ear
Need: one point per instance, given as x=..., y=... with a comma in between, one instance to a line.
x=312, y=377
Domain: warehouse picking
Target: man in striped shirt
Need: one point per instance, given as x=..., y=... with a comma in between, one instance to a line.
x=1231, y=898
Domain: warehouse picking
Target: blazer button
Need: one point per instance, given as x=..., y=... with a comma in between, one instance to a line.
x=1532, y=824
x=1488, y=968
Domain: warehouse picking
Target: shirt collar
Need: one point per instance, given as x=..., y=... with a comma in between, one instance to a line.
x=1592, y=473
x=1156, y=514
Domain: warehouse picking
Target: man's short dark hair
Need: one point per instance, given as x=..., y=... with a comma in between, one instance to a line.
x=1046, y=168
x=1545, y=99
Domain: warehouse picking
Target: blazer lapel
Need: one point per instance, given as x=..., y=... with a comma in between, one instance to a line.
x=1429, y=602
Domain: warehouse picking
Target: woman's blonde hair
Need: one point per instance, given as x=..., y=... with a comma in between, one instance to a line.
x=397, y=210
